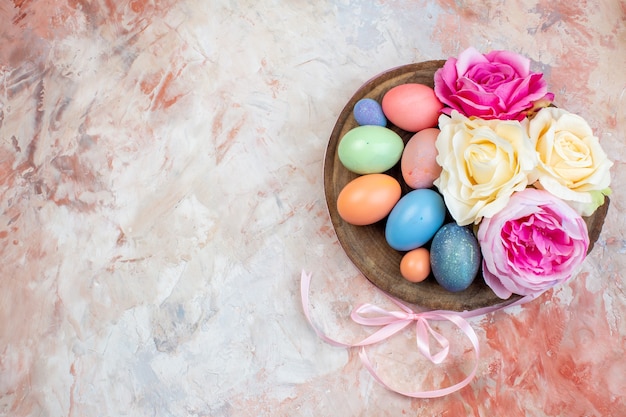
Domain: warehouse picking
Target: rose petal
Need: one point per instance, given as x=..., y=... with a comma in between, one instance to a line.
x=495, y=284
x=468, y=58
x=520, y=63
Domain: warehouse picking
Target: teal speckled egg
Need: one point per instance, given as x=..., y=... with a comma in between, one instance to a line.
x=454, y=257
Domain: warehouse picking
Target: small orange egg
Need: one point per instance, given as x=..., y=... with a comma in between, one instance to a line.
x=368, y=198
x=415, y=265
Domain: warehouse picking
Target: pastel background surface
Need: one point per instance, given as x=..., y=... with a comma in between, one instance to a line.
x=161, y=189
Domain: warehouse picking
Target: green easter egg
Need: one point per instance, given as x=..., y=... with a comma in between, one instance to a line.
x=370, y=149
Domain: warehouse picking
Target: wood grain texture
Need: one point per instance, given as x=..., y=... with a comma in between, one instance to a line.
x=366, y=246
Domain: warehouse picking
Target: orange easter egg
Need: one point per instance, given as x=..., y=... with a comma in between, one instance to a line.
x=415, y=265
x=368, y=199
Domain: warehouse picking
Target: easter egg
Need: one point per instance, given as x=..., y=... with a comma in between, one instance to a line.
x=419, y=159
x=370, y=149
x=454, y=257
x=415, y=265
x=368, y=198
x=415, y=219
x=368, y=111
x=412, y=107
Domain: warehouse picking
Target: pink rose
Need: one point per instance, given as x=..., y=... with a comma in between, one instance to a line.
x=534, y=243
x=498, y=85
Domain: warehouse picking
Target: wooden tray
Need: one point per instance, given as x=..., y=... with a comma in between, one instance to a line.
x=366, y=245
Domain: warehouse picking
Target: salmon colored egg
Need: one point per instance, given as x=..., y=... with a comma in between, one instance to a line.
x=415, y=265
x=368, y=199
x=419, y=159
x=412, y=107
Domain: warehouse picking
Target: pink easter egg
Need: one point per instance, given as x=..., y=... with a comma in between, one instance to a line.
x=419, y=159
x=412, y=107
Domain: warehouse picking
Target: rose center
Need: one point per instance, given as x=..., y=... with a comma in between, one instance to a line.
x=536, y=243
x=491, y=75
x=482, y=162
x=572, y=149
x=488, y=162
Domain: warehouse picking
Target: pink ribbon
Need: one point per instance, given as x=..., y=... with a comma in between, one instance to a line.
x=392, y=322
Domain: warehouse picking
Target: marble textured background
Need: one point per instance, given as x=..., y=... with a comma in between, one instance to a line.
x=161, y=189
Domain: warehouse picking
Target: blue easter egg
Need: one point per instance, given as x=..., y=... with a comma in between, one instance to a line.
x=454, y=257
x=369, y=112
x=415, y=219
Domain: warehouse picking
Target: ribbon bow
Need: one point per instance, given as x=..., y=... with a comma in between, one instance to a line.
x=394, y=321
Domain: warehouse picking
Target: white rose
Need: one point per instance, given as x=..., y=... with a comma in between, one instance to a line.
x=572, y=164
x=483, y=163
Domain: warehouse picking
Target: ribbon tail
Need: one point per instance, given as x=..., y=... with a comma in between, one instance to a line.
x=442, y=392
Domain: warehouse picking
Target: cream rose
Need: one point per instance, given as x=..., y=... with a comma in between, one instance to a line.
x=572, y=164
x=483, y=162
